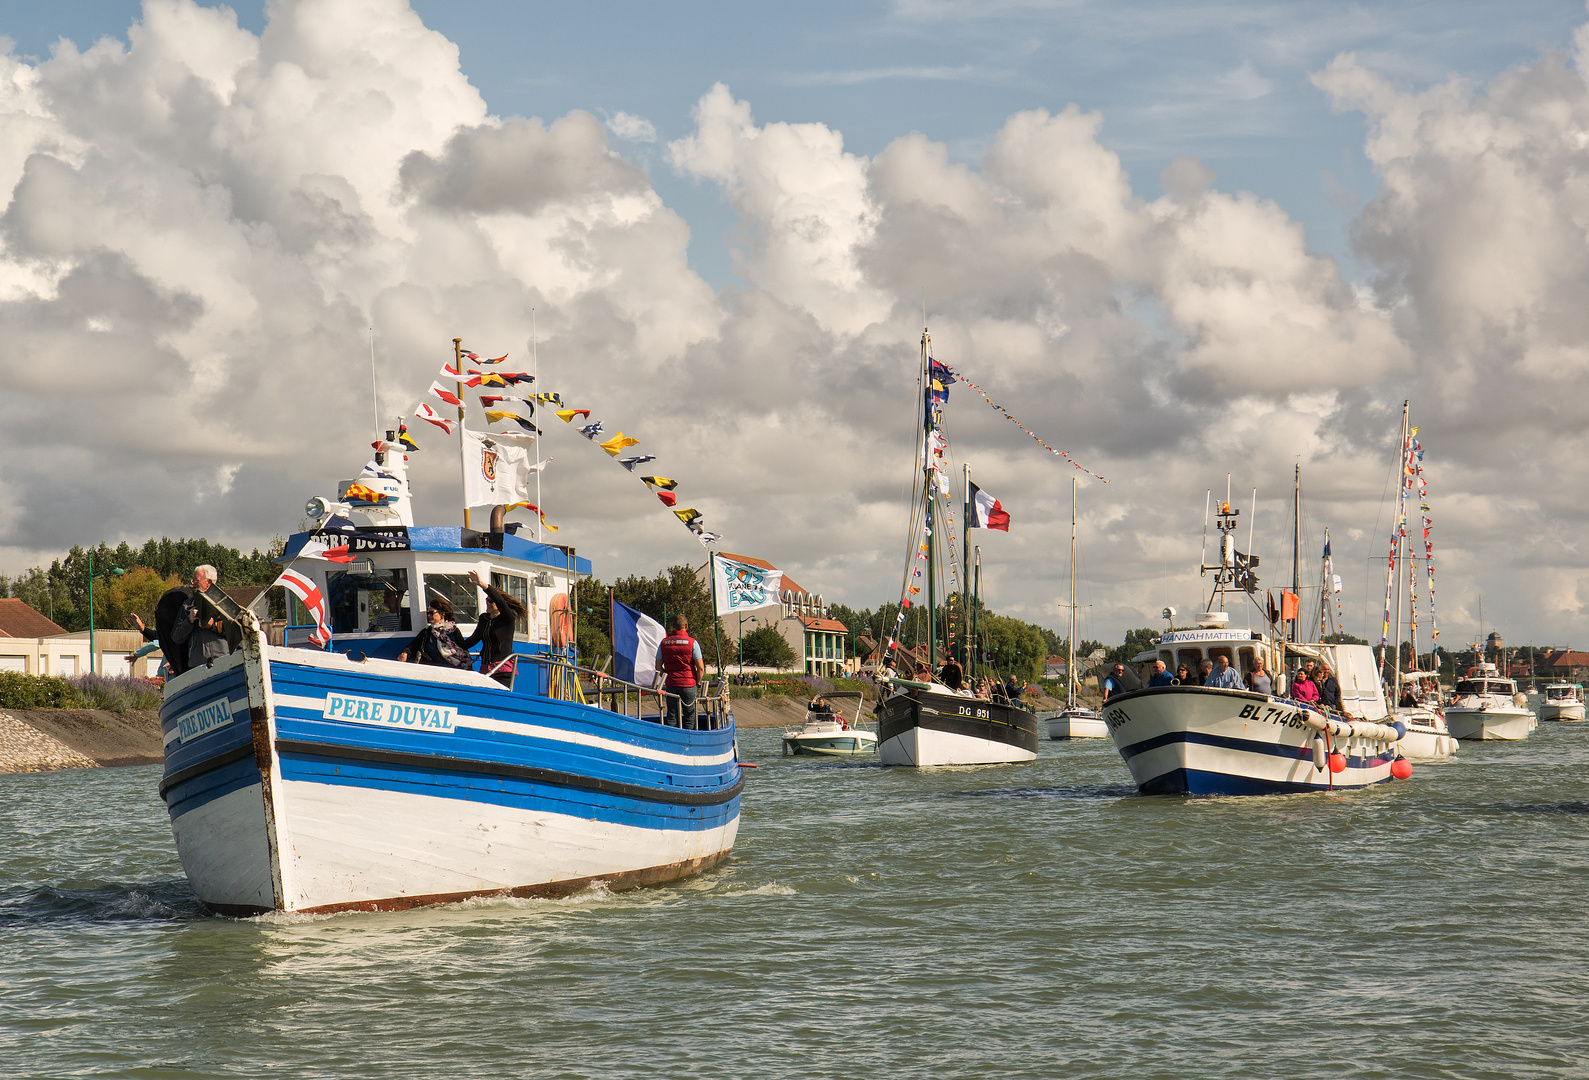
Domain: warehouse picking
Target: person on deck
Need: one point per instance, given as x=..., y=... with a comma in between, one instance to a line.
x=1225, y=676
x=1184, y=676
x=680, y=665
x=1013, y=689
x=494, y=632
x=1303, y=688
x=198, y=626
x=1161, y=675
x=1205, y=671
x=1115, y=683
x=440, y=643
x=1260, y=682
x=1329, y=688
x=951, y=675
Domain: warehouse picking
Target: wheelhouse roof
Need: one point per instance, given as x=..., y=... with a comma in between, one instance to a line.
x=442, y=538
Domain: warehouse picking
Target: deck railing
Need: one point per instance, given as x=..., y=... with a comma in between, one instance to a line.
x=571, y=682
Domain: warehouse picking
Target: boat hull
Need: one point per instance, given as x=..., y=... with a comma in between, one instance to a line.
x=1571, y=711
x=1077, y=724
x=853, y=743
x=1509, y=724
x=1427, y=735
x=1184, y=740
x=284, y=797
x=923, y=729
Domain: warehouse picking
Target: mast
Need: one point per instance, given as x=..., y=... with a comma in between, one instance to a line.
x=929, y=493
x=375, y=404
x=463, y=466
x=965, y=562
x=1296, y=549
x=1070, y=650
x=535, y=372
x=1398, y=544
x=976, y=646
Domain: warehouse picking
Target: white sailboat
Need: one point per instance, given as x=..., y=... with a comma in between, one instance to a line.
x=923, y=723
x=1075, y=720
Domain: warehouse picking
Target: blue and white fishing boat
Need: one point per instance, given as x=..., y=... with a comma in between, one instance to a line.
x=303, y=779
x=1207, y=740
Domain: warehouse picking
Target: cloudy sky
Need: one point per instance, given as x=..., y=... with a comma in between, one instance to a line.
x=1178, y=240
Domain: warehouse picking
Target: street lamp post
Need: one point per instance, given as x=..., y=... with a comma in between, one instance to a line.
x=114, y=571
x=742, y=640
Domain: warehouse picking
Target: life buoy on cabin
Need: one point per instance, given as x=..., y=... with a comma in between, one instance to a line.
x=561, y=616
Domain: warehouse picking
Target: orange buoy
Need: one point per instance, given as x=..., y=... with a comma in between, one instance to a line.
x=1337, y=762
x=1401, y=768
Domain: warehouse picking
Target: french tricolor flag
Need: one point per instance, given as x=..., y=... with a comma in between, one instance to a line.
x=986, y=513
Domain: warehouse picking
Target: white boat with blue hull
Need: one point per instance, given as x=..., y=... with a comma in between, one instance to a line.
x=1217, y=740
x=305, y=780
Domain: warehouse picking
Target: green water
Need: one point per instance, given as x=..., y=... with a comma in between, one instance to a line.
x=1019, y=921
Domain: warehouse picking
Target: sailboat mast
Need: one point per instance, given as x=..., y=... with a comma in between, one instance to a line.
x=1070, y=651
x=463, y=466
x=1398, y=546
x=1296, y=549
x=965, y=561
x=929, y=495
x=976, y=592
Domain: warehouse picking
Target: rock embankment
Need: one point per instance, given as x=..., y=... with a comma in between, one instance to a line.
x=37, y=740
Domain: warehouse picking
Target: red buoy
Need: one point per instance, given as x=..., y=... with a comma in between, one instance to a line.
x=1337, y=762
x=1401, y=768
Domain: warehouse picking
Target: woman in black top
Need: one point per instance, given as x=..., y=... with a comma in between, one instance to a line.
x=439, y=643
x=494, y=632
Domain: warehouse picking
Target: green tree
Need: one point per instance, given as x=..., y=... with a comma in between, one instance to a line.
x=1343, y=638
x=1136, y=641
x=766, y=647
x=677, y=590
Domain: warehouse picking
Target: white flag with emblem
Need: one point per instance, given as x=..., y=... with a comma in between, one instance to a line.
x=494, y=472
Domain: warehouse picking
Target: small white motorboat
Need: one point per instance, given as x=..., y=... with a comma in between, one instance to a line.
x=1487, y=706
x=826, y=732
x=1562, y=701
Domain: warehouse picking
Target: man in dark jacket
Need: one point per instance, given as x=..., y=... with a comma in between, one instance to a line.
x=680, y=665
x=1329, y=688
x=198, y=626
x=166, y=613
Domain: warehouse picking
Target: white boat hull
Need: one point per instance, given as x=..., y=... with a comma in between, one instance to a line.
x=849, y=743
x=1427, y=735
x=924, y=748
x=1571, y=711
x=1203, y=741
x=1508, y=724
x=1077, y=724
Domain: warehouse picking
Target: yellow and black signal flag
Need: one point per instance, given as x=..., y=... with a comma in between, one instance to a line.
x=406, y=439
x=688, y=514
x=661, y=482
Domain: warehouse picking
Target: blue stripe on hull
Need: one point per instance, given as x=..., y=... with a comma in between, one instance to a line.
x=506, y=791
x=1199, y=782
x=1248, y=746
x=192, y=794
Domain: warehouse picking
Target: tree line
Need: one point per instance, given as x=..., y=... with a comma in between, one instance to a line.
x=59, y=592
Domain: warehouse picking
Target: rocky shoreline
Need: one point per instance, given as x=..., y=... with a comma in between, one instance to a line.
x=41, y=740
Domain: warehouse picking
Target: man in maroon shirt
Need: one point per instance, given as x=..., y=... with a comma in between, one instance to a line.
x=679, y=662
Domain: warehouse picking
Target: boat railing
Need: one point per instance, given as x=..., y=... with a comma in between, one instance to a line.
x=573, y=682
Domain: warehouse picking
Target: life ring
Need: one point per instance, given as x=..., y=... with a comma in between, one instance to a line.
x=561, y=617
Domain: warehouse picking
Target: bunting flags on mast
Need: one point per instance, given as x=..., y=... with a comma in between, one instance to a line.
x=618, y=443
x=431, y=416
x=445, y=394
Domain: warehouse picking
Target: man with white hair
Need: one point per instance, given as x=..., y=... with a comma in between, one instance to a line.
x=199, y=625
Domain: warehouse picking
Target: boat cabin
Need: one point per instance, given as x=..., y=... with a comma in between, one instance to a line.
x=1244, y=648
x=1563, y=693
x=378, y=598
x=1484, y=680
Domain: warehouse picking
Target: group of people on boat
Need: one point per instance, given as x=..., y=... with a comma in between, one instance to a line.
x=441, y=644
x=1312, y=683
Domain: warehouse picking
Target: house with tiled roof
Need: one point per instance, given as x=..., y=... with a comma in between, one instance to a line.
x=18, y=620
x=800, y=616
x=1566, y=665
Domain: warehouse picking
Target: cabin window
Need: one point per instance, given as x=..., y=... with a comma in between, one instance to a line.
x=1249, y=660
x=1220, y=650
x=1169, y=659
x=378, y=601
x=1190, y=657
x=518, y=587
x=457, y=591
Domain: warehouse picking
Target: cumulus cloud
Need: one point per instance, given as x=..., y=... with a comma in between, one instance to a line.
x=202, y=225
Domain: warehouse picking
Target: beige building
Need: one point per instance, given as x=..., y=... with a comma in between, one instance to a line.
x=33, y=645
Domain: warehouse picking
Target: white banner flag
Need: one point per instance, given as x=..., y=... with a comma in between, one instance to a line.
x=742, y=585
x=493, y=471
